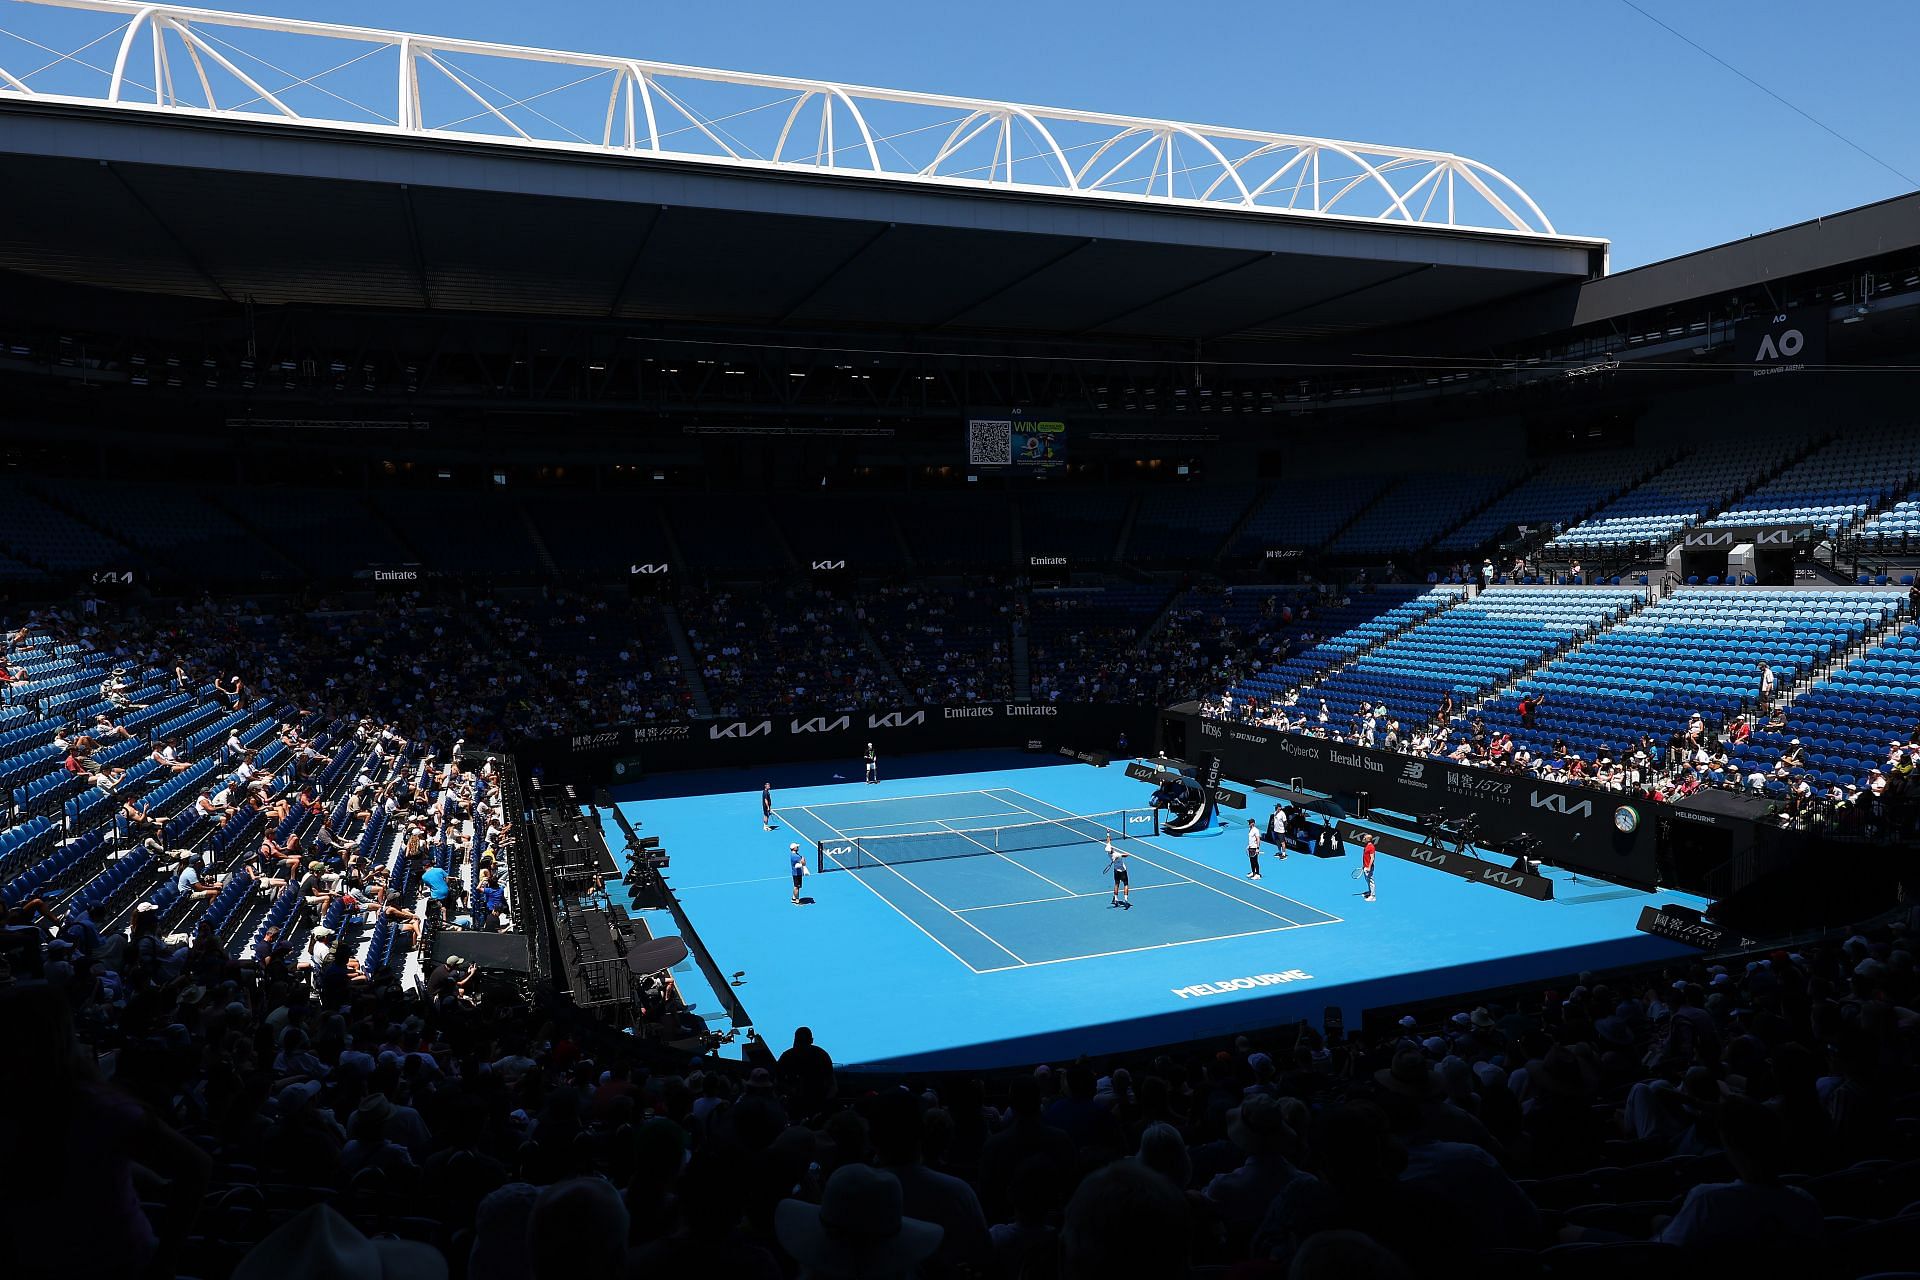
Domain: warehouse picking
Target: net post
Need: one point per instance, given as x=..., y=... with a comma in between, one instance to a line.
x=820, y=856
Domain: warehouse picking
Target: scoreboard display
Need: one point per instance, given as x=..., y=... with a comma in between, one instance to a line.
x=1020, y=441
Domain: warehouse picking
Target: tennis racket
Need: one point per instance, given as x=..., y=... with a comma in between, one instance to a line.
x=1358, y=873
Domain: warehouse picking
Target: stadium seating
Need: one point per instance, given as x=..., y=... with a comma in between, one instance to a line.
x=1895, y=529
x=1323, y=634
x=946, y=645
x=1303, y=515
x=1850, y=720
x=945, y=530
x=1185, y=522
x=1084, y=643
x=1467, y=649
x=1561, y=492
x=1083, y=526
x=1835, y=485
x=1699, y=650
x=36, y=533
x=601, y=533
x=1418, y=508
x=1701, y=483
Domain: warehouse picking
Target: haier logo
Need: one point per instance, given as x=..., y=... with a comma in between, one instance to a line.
x=829, y=566
x=739, y=729
x=1561, y=805
x=896, y=719
x=819, y=724
x=647, y=568
x=1791, y=343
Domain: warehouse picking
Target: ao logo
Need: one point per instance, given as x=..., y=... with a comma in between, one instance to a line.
x=1790, y=345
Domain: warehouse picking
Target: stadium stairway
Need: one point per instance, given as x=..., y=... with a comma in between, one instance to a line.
x=689, y=661
x=1125, y=534
x=1507, y=686
x=1021, y=661
x=1413, y=619
x=1245, y=518
x=882, y=663
x=541, y=552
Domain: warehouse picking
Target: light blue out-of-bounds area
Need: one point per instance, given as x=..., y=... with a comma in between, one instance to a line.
x=1003, y=958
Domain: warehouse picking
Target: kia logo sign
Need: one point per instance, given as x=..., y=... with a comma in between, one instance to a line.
x=647, y=568
x=829, y=566
x=1561, y=805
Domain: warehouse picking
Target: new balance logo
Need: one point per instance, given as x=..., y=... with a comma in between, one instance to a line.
x=1413, y=771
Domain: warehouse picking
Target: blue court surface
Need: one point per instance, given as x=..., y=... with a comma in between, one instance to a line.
x=1015, y=955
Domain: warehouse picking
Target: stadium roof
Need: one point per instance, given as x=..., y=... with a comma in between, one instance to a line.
x=171, y=152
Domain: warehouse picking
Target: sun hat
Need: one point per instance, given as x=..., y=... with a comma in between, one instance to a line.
x=857, y=1229
x=319, y=1243
x=1411, y=1075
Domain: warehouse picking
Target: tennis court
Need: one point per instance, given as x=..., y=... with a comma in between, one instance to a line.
x=1000, y=879
x=972, y=958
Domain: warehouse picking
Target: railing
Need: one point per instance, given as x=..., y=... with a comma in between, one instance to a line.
x=233, y=65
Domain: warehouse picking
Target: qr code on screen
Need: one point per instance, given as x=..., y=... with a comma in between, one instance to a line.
x=990, y=442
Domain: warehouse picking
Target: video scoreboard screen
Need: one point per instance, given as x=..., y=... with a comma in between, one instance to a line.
x=1020, y=440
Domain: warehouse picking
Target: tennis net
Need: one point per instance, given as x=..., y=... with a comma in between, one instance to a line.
x=854, y=852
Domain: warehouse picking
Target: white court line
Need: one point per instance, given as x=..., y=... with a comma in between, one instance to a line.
x=1027, y=902
x=1162, y=946
x=927, y=795
x=1002, y=855
x=1210, y=888
x=964, y=817
x=930, y=898
x=724, y=884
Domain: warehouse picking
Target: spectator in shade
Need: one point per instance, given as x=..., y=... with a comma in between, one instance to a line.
x=578, y=1228
x=1259, y=1129
x=319, y=1244
x=806, y=1074
x=1755, y=1213
x=858, y=1231
x=895, y=1119
x=1125, y=1222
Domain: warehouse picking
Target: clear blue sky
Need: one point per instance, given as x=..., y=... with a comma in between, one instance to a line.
x=1614, y=126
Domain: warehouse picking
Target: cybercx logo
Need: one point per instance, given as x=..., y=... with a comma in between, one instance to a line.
x=739, y=729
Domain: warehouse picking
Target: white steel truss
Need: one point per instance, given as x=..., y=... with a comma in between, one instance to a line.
x=145, y=57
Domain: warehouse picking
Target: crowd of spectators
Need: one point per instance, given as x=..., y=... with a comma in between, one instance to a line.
x=947, y=644
x=213, y=1115
x=781, y=650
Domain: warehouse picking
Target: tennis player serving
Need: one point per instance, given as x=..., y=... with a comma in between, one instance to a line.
x=1117, y=863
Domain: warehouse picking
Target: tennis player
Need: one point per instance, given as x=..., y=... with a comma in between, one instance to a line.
x=766, y=806
x=1253, y=850
x=873, y=765
x=1117, y=863
x=1367, y=851
x=797, y=861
